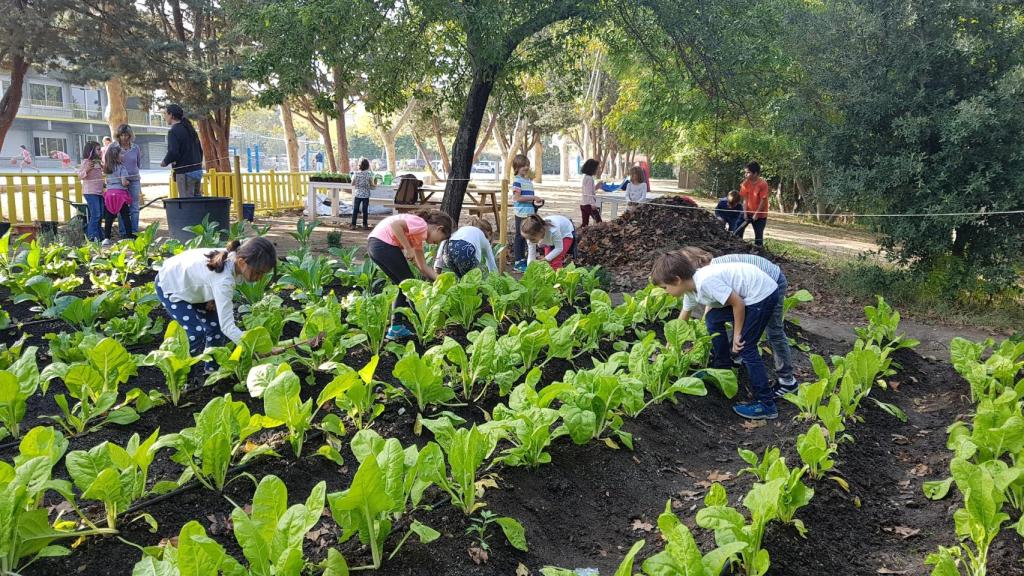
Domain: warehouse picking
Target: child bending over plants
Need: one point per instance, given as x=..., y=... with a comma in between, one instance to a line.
x=556, y=235
x=197, y=286
x=776, y=328
x=740, y=293
x=469, y=247
x=397, y=239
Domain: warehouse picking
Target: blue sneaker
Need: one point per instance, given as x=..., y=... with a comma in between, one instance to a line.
x=757, y=411
x=399, y=332
x=519, y=266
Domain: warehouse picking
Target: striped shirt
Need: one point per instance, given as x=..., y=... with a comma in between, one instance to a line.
x=765, y=265
x=524, y=187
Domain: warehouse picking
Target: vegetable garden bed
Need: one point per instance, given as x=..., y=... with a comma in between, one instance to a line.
x=584, y=504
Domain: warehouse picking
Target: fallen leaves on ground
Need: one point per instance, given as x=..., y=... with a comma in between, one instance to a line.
x=903, y=532
x=921, y=470
x=478, y=555
x=640, y=524
x=753, y=424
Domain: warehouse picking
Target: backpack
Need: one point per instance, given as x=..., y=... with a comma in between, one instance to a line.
x=408, y=191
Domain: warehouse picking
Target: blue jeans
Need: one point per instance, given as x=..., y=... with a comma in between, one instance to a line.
x=200, y=324
x=94, y=203
x=756, y=319
x=777, y=339
x=135, y=190
x=190, y=184
x=360, y=205
x=519, y=243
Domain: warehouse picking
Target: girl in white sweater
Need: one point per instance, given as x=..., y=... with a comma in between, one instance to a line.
x=555, y=234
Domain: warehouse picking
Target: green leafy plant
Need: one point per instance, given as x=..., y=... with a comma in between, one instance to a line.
x=463, y=301
x=208, y=449
x=371, y=313
x=271, y=533
x=365, y=276
x=268, y=313
x=883, y=327
x=503, y=293
x=527, y=423
x=306, y=275
x=282, y=403
x=421, y=378
x=793, y=493
x=476, y=364
x=253, y=292
x=815, y=451
x=389, y=479
x=730, y=527
x=207, y=234
x=513, y=530
x=27, y=534
x=355, y=393
x=174, y=360
x=19, y=381
x=324, y=318
x=94, y=383
x=238, y=361
x=591, y=406
x=427, y=301
x=991, y=377
x=114, y=475
x=138, y=328
x=304, y=233
x=195, y=554
x=38, y=289
x=466, y=450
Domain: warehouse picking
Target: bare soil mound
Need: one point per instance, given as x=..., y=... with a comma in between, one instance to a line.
x=628, y=245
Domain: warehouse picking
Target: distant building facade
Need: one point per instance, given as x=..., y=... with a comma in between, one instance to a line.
x=56, y=115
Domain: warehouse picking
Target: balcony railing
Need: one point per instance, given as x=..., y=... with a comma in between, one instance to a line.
x=54, y=109
x=143, y=118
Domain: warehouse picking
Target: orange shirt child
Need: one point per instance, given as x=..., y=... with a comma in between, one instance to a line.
x=755, y=196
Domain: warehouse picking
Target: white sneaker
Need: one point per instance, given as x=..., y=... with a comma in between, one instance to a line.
x=105, y=243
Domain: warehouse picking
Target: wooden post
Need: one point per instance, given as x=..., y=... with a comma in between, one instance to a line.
x=239, y=196
x=503, y=225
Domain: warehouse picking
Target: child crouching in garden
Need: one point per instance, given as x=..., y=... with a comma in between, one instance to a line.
x=197, y=287
x=397, y=239
x=776, y=329
x=469, y=247
x=556, y=235
x=739, y=293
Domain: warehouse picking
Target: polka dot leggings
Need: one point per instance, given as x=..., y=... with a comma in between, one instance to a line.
x=200, y=325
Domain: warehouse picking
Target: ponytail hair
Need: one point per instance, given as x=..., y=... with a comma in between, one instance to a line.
x=258, y=253
x=437, y=218
x=178, y=113
x=533, y=225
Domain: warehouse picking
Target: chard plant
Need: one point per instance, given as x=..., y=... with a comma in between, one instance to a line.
x=427, y=300
x=480, y=363
x=19, y=381
x=421, y=377
x=660, y=370
x=254, y=292
x=268, y=313
x=883, y=327
x=730, y=526
x=816, y=451
x=371, y=314
x=40, y=290
x=94, y=383
x=236, y=362
x=174, y=360
x=592, y=405
x=208, y=449
x=282, y=403
x=355, y=393
x=503, y=292
x=194, y=553
x=527, y=423
x=307, y=275
x=28, y=534
x=206, y=234
x=69, y=347
x=324, y=318
x=113, y=475
x=463, y=301
x=539, y=282
x=793, y=493
x=466, y=450
x=388, y=481
x=80, y=313
x=365, y=276
x=977, y=523
x=304, y=234
x=271, y=533
x=999, y=370
x=526, y=342
x=138, y=328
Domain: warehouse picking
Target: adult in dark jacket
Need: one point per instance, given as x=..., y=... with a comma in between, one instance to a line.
x=730, y=211
x=184, y=152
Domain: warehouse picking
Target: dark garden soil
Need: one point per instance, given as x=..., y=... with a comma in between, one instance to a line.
x=589, y=505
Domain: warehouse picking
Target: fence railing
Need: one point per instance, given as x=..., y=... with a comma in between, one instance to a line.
x=27, y=198
x=269, y=191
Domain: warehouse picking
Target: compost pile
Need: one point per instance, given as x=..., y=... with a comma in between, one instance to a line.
x=628, y=245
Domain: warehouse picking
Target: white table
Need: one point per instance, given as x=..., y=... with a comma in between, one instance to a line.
x=614, y=200
x=333, y=187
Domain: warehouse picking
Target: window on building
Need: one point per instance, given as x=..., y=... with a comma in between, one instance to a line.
x=86, y=100
x=4, y=85
x=45, y=145
x=46, y=95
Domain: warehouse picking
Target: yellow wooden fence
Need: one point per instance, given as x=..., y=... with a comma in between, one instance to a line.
x=27, y=198
x=269, y=191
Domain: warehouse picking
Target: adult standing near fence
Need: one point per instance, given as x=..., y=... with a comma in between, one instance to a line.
x=754, y=191
x=132, y=161
x=184, y=152
x=320, y=161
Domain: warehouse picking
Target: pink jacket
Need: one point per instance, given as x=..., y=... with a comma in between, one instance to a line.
x=91, y=177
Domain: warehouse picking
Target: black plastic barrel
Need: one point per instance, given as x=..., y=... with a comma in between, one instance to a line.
x=248, y=211
x=185, y=212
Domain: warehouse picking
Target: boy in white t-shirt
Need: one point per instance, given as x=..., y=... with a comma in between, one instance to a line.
x=739, y=293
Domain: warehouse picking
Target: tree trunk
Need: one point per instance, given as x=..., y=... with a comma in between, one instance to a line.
x=426, y=157
x=483, y=143
x=820, y=208
x=563, y=158
x=10, y=100
x=325, y=135
x=446, y=162
x=339, y=122
x=538, y=157
x=465, y=140
x=290, y=141
x=214, y=132
x=389, y=148
x=117, y=104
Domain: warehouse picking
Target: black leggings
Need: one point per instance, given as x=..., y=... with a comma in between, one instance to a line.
x=392, y=261
x=365, y=203
x=108, y=222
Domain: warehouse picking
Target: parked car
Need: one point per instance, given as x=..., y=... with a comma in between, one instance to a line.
x=485, y=167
